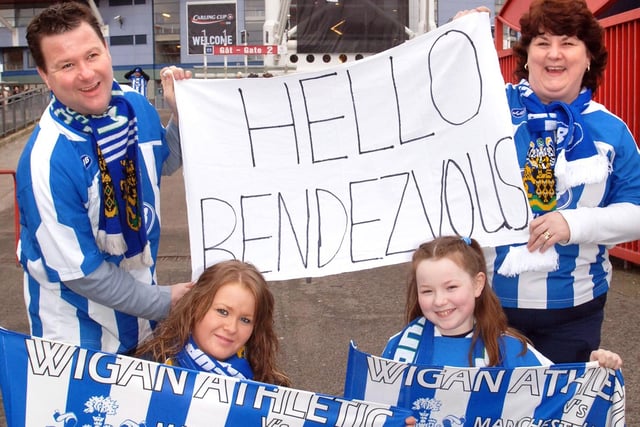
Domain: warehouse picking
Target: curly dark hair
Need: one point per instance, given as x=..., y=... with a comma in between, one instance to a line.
x=563, y=17
x=58, y=19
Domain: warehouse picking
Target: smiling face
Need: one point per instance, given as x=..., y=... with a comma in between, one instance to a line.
x=78, y=69
x=447, y=294
x=228, y=324
x=556, y=67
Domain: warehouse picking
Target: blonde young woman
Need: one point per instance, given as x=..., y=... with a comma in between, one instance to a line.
x=224, y=325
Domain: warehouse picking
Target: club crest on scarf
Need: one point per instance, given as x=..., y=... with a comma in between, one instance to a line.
x=121, y=225
x=425, y=407
x=538, y=177
x=96, y=410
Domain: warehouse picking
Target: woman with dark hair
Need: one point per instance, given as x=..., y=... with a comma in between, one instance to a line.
x=224, y=325
x=581, y=172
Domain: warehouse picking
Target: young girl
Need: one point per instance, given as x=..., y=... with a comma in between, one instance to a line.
x=224, y=325
x=455, y=319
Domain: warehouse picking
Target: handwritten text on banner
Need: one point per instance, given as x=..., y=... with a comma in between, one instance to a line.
x=353, y=167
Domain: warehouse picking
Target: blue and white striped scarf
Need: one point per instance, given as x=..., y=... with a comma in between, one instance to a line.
x=417, y=343
x=192, y=357
x=577, y=158
x=559, y=128
x=121, y=229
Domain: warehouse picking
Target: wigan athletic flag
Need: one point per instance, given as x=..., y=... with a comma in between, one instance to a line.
x=47, y=383
x=562, y=395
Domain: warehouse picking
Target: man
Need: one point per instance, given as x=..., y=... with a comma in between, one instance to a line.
x=138, y=80
x=88, y=192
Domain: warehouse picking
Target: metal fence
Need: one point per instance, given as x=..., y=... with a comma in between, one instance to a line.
x=22, y=109
x=25, y=108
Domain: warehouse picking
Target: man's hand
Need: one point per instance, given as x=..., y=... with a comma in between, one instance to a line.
x=179, y=290
x=168, y=76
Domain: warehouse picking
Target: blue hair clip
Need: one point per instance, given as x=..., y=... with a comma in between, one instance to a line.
x=467, y=240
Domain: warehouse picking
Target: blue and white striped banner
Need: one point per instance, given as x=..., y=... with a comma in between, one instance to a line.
x=563, y=395
x=47, y=383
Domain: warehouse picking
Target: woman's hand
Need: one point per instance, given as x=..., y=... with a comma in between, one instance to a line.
x=479, y=9
x=547, y=230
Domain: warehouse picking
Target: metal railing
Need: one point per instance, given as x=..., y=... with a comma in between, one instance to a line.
x=16, y=212
x=22, y=109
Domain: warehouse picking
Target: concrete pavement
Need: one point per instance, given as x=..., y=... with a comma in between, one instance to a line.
x=315, y=319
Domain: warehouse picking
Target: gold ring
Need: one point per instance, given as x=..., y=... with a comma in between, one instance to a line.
x=546, y=235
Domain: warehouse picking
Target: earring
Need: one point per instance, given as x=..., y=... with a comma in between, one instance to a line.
x=588, y=68
x=526, y=66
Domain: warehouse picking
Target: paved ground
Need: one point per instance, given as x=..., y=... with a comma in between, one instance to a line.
x=316, y=319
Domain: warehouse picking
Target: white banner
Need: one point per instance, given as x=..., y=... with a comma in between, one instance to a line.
x=352, y=168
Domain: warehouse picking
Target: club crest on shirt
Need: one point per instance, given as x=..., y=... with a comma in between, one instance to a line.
x=149, y=217
x=518, y=112
x=86, y=161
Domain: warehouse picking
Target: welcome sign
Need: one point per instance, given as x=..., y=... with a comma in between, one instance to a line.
x=47, y=383
x=353, y=167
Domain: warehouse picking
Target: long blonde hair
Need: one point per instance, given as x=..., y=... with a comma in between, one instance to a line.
x=172, y=334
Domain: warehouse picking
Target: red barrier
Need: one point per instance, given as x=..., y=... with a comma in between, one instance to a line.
x=16, y=212
x=620, y=88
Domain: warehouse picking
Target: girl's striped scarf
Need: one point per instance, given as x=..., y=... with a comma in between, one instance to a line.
x=121, y=229
x=417, y=343
x=192, y=357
